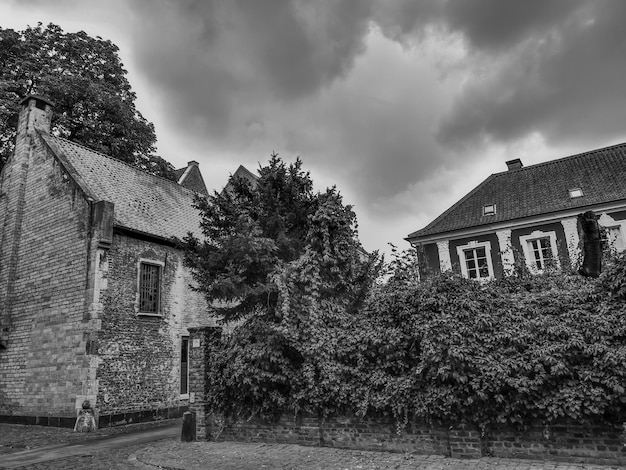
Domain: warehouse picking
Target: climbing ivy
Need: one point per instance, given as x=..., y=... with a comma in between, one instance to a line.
x=541, y=349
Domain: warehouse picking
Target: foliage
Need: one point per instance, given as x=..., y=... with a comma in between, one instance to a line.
x=84, y=78
x=547, y=348
x=253, y=230
x=286, y=264
x=613, y=279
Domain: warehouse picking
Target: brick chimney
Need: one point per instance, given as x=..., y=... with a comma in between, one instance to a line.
x=514, y=164
x=36, y=113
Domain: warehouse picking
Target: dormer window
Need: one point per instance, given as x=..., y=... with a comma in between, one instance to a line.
x=575, y=193
x=489, y=209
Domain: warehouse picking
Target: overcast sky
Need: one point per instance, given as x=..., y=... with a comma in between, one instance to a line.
x=404, y=105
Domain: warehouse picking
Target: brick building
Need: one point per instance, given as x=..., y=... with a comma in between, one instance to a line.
x=94, y=299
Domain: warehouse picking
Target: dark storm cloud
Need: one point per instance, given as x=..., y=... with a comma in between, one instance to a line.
x=553, y=67
x=486, y=24
x=216, y=61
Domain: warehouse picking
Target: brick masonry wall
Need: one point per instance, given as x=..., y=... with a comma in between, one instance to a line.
x=369, y=433
x=43, y=270
x=139, y=355
x=570, y=443
x=604, y=444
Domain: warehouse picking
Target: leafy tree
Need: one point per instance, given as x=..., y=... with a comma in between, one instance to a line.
x=86, y=81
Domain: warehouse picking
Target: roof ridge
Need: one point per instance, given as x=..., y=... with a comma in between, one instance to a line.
x=122, y=162
x=605, y=163
x=241, y=167
x=559, y=160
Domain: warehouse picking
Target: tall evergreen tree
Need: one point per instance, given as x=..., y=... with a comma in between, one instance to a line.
x=256, y=232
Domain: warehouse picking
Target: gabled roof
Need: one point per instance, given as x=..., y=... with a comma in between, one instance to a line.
x=191, y=178
x=538, y=189
x=180, y=172
x=144, y=203
x=241, y=172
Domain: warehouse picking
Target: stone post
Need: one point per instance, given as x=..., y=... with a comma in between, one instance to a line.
x=445, y=264
x=506, y=252
x=570, y=227
x=199, y=340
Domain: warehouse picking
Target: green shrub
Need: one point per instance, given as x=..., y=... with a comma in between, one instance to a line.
x=518, y=351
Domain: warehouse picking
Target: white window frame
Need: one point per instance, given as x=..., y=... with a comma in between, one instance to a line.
x=576, y=193
x=609, y=222
x=537, y=234
x=489, y=209
x=461, y=249
x=161, y=265
x=182, y=338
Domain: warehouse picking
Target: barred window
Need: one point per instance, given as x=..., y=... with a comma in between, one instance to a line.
x=149, y=288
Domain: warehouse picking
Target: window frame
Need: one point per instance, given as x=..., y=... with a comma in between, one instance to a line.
x=160, y=265
x=182, y=395
x=525, y=241
x=576, y=193
x=474, y=245
x=608, y=222
x=489, y=213
x=620, y=233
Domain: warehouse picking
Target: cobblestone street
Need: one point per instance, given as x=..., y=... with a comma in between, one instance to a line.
x=113, y=459
x=104, y=449
x=143, y=446
x=240, y=456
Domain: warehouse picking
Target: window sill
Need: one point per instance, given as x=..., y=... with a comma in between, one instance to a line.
x=183, y=396
x=148, y=314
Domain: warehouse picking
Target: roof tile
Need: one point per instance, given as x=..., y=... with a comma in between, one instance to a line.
x=143, y=202
x=538, y=189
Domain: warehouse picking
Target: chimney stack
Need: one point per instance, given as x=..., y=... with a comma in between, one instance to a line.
x=36, y=113
x=514, y=164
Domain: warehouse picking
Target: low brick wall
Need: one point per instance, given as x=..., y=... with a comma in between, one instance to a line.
x=107, y=420
x=568, y=443
x=350, y=433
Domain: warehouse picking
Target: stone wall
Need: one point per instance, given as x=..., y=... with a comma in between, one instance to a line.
x=140, y=355
x=43, y=270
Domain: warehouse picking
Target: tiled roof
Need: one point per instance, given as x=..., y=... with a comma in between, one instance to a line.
x=241, y=172
x=178, y=173
x=143, y=202
x=192, y=179
x=538, y=189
